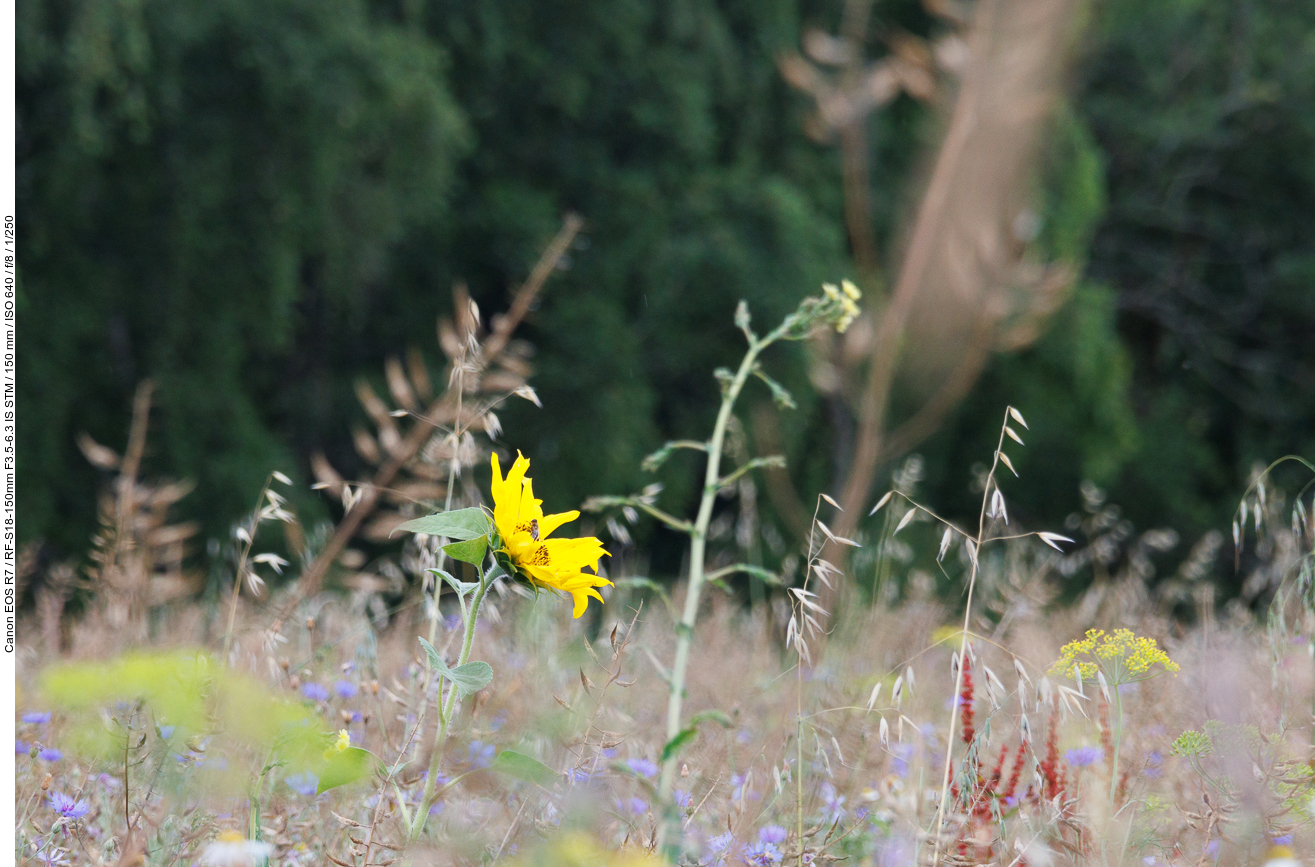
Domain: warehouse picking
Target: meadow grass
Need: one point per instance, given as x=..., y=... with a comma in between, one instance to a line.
x=475, y=722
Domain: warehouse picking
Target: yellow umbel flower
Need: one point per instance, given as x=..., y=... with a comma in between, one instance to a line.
x=557, y=564
x=1121, y=655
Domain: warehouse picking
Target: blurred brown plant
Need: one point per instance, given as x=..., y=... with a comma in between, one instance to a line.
x=968, y=284
x=137, y=555
x=419, y=466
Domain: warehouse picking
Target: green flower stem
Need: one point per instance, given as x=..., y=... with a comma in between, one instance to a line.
x=446, y=709
x=698, y=544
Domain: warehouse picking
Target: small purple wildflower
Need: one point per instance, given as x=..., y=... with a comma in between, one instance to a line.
x=302, y=784
x=638, y=806
x=21, y=747
x=67, y=807
x=761, y=854
x=771, y=834
x=580, y=776
x=50, y=754
x=314, y=691
x=481, y=754
x=721, y=842
x=1084, y=756
x=744, y=736
x=1212, y=848
x=643, y=767
x=39, y=718
x=683, y=799
x=902, y=754
x=166, y=732
x=1283, y=840
x=345, y=689
x=834, y=801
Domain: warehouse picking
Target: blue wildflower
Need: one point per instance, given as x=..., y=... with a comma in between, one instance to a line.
x=303, y=784
x=761, y=854
x=39, y=718
x=1283, y=840
x=345, y=689
x=481, y=754
x=314, y=691
x=721, y=843
x=643, y=767
x=771, y=834
x=638, y=806
x=21, y=747
x=166, y=732
x=50, y=754
x=1084, y=756
x=67, y=807
x=683, y=799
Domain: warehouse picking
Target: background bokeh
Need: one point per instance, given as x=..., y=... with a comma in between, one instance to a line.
x=255, y=203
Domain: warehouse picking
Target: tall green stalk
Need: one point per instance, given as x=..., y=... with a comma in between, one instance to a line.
x=446, y=709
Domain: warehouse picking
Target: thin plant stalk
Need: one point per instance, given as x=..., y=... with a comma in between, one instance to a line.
x=698, y=547
x=242, y=564
x=963, y=643
x=446, y=709
x=1118, y=738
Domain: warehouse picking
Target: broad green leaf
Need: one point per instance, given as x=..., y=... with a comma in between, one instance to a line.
x=345, y=766
x=435, y=661
x=470, y=551
x=459, y=524
x=469, y=678
x=523, y=767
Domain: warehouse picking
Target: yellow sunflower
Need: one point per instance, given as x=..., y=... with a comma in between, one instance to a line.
x=557, y=564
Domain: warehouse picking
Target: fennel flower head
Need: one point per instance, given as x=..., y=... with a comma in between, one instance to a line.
x=1120, y=656
x=523, y=531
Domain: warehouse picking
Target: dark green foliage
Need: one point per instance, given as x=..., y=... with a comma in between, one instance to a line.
x=1203, y=111
x=255, y=203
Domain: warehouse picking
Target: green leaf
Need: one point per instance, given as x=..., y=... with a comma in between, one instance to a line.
x=470, y=551
x=676, y=744
x=469, y=678
x=460, y=524
x=716, y=716
x=780, y=396
x=435, y=661
x=523, y=767
x=345, y=766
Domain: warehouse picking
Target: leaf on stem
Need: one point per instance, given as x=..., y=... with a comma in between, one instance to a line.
x=459, y=524
x=468, y=679
x=471, y=551
x=523, y=767
x=345, y=766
